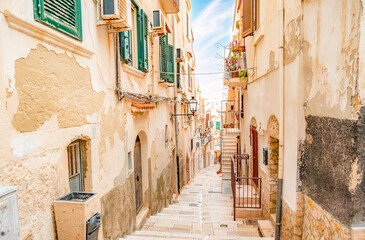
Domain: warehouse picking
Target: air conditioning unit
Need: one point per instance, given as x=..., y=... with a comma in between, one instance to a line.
x=159, y=22
x=179, y=55
x=117, y=13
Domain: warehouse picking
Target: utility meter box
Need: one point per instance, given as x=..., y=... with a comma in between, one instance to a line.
x=9, y=222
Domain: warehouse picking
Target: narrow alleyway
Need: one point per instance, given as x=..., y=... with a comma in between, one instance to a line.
x=202, y=212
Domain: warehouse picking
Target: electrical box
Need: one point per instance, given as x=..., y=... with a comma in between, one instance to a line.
x=9, y=222
x=265, y=156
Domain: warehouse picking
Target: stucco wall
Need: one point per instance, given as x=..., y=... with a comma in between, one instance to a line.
x=56, y=90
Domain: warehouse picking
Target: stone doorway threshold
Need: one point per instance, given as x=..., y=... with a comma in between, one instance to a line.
x=141, y=217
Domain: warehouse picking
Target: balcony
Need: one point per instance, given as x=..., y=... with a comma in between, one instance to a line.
x=171, y=6
x=235, y=73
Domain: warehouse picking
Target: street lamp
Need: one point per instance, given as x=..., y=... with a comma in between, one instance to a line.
x=193, y=106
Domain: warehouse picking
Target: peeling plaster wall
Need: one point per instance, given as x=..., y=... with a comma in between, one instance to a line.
x=51, y=96
x=324, y=80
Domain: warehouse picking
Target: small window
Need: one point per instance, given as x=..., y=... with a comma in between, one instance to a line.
x=130, y=164
x=65, y=16
x=167, y=134
x=75, y=167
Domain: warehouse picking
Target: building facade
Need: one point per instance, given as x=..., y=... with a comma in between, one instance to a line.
x=299, y=70
x=88, y=107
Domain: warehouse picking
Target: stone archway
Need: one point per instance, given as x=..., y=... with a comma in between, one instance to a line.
x=273, y=160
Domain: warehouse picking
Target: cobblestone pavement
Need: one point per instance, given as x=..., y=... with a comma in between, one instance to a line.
x=202, y=212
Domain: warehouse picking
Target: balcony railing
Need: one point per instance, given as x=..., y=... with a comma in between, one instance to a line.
x=171, y=6
x=246, y=190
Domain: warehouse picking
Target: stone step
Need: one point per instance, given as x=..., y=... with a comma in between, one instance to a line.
x=248, y=213
x=273, y=218
x=266, y=228
x=146, y=234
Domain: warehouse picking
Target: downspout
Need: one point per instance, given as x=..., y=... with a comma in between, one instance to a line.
x=118, y=66
x=175, y=112
x=281, y=119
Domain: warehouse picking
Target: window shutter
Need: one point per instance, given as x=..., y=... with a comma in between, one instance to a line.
x=187, y=24
x=178, y=75
x=247, y=18
x=171, y=63
x=65, y=16
x=125, y=46
x=189, y=81
x=140, y=39
x=163, y=57
x=145, y=42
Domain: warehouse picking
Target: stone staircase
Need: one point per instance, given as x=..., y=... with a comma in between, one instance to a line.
x=201, y=212
x=229, y=145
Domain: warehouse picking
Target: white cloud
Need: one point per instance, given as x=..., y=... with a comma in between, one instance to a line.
x=213, y=25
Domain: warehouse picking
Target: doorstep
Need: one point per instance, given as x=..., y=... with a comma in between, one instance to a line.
x=141, y=217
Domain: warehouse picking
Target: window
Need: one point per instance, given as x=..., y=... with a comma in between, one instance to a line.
x=189, y=77
x=178, y=75
x=167, y=59
x=242, y=111
x=187, y=24
x=134, y=43
x=75, y=167
x=130, y=164
x=65, y=16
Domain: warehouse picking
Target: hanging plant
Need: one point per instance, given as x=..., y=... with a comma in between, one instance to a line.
x=243, y=74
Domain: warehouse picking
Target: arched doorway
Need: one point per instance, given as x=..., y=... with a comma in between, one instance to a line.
x=138, y=174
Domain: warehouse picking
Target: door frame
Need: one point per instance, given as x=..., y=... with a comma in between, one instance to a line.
x=139, y=204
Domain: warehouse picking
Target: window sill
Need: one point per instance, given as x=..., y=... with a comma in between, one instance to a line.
x=165, y=84
x=133, y=71
x=39, y=31
x=259, y=34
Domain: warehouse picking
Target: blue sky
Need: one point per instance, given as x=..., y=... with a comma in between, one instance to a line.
x=212, y=23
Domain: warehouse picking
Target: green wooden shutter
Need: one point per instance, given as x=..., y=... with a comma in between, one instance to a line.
x=125, y=46
x=64, y=15
x=140, y=39
x=145, y=42
x=178, y=75
x=163, y=57
x=171, y=63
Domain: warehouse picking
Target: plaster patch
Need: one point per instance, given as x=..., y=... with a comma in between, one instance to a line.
x=355, y=176
x=50, y=84
x=23, y=145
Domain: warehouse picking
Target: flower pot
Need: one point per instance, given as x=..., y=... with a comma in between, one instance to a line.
x=72, y=211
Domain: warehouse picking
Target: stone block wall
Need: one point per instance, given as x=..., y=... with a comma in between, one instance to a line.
x=292, y=221
x=273, y=169
x=319, y=224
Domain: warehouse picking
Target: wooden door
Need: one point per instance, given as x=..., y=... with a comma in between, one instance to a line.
x=138, y=174
x=255, y=162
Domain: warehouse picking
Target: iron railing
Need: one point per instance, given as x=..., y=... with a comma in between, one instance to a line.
x=246, y=190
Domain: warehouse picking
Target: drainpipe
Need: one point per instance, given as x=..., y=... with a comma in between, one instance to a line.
x=281, y=119
x=117, y=67
x=175, y=112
